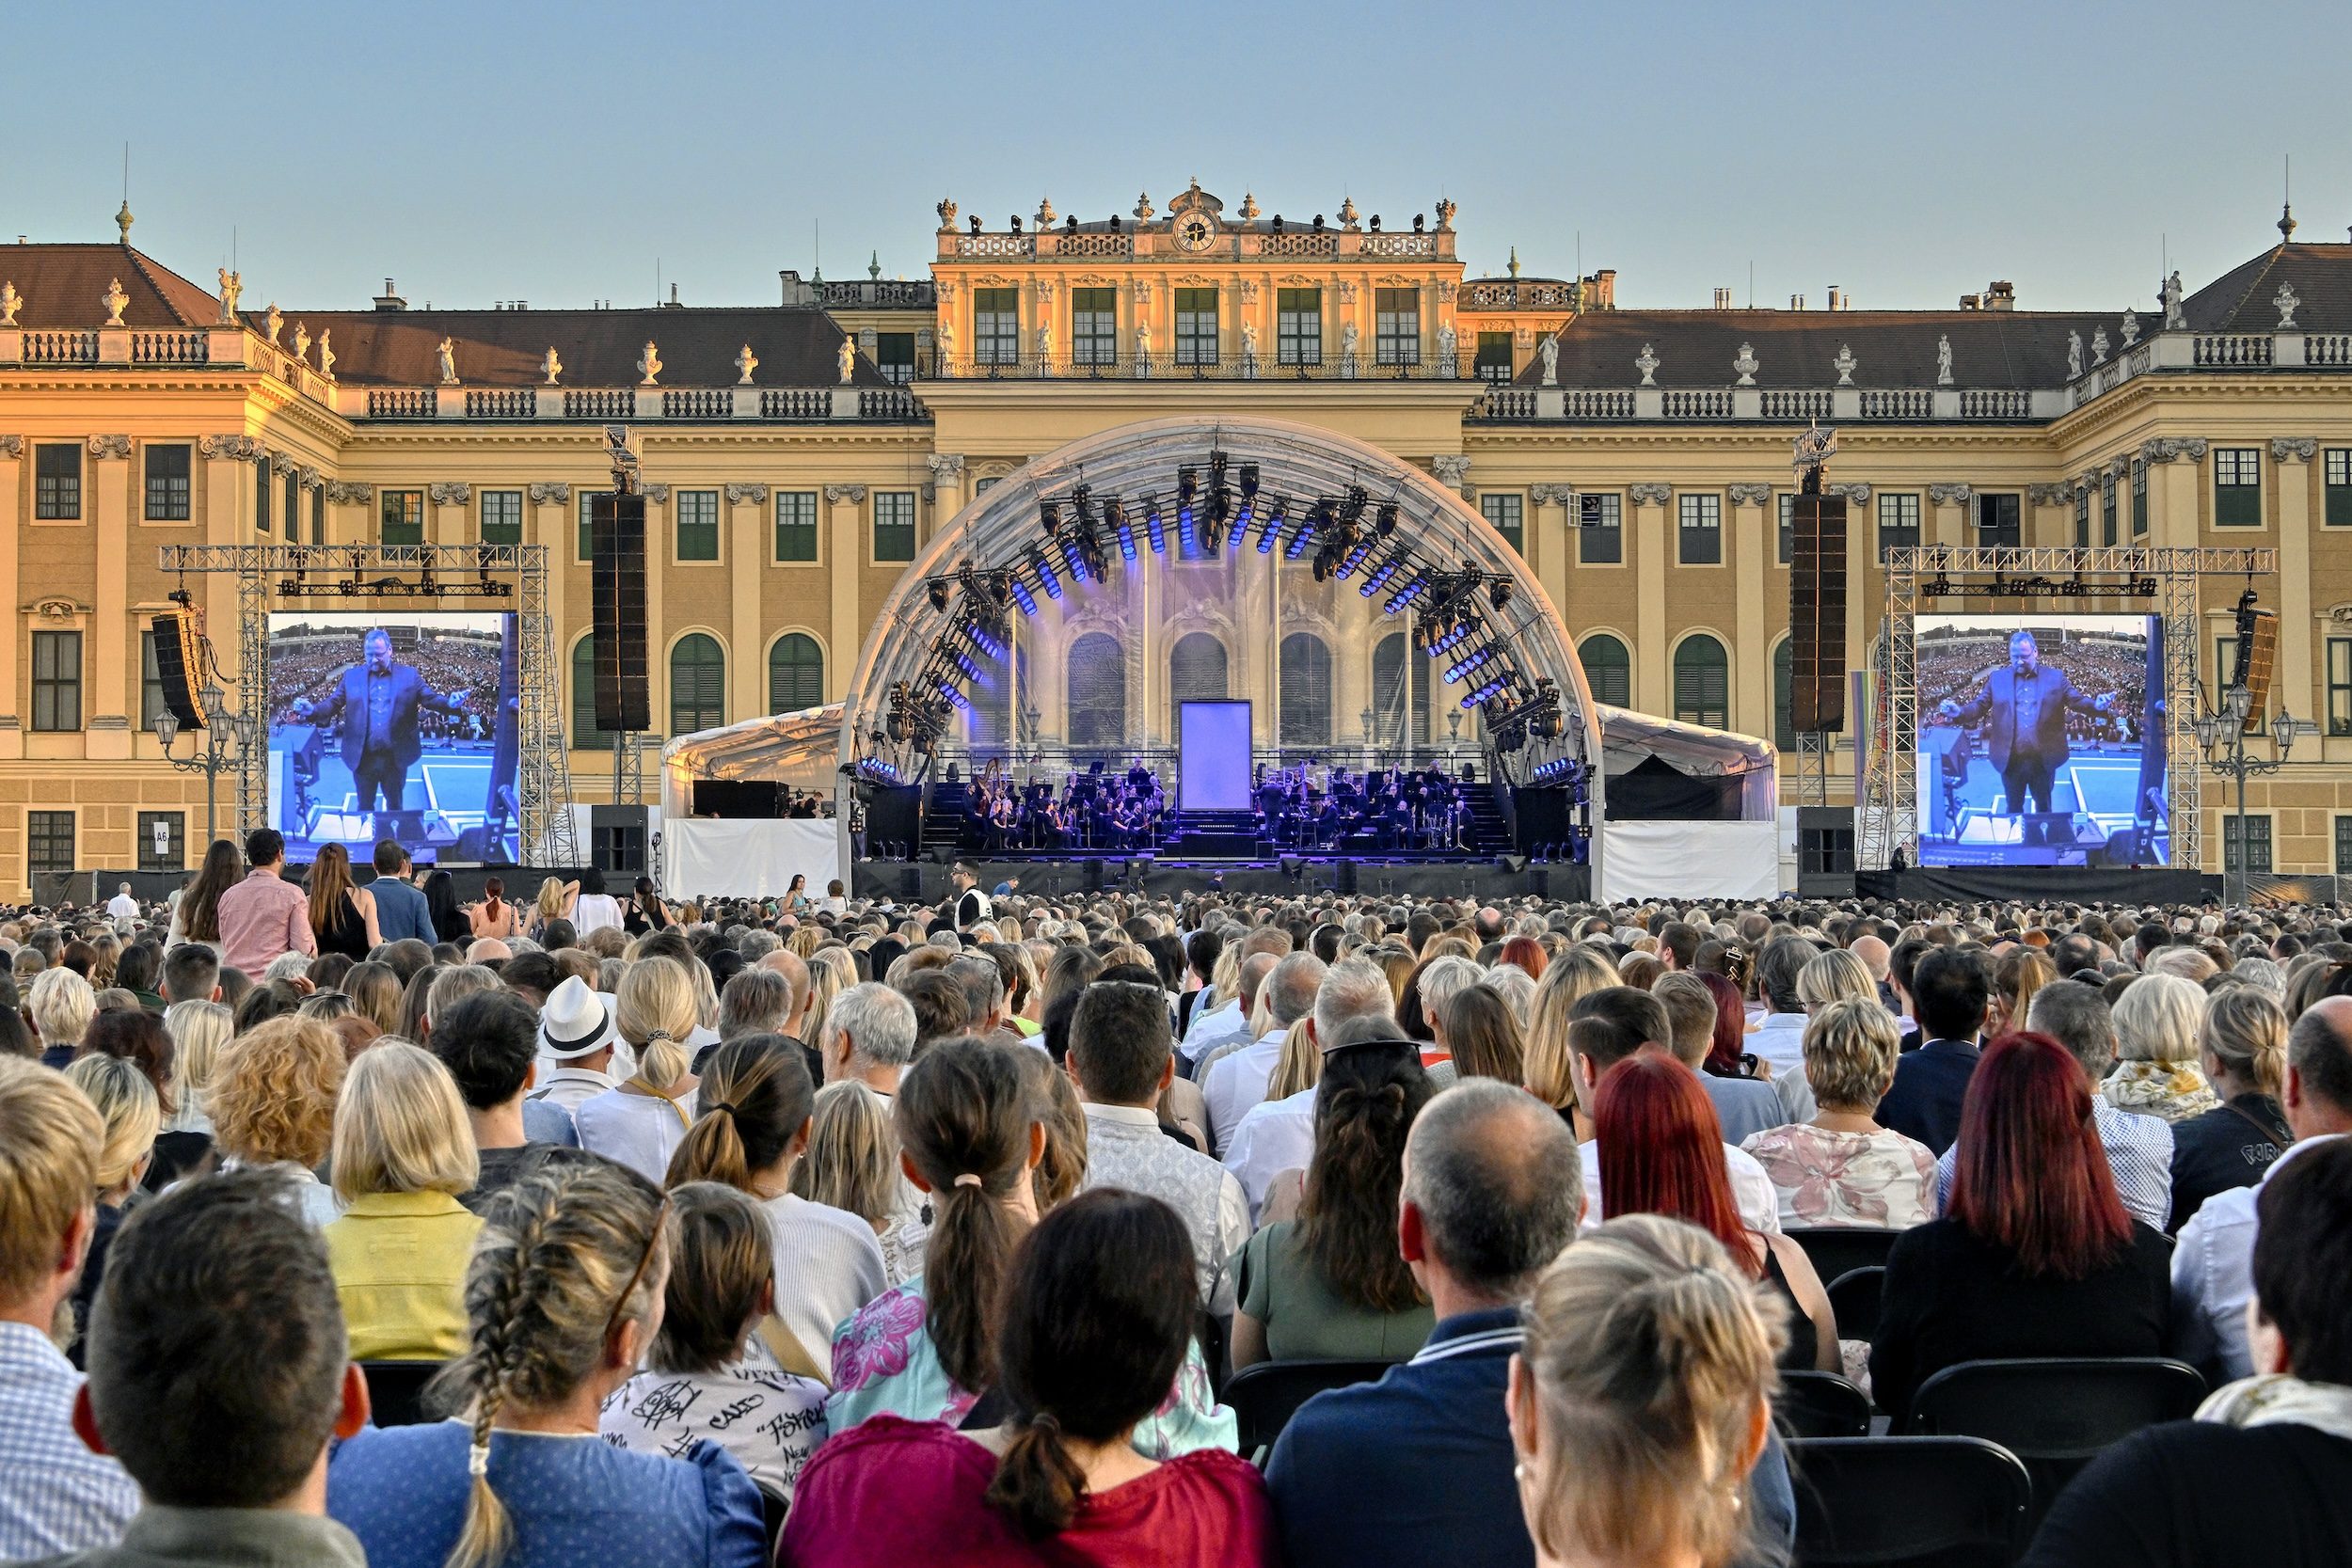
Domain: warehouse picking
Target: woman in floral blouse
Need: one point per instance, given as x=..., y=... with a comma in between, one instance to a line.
x=1842, y=1169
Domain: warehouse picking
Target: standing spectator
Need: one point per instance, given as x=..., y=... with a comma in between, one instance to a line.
x=440, y=898
x=56, y=1496
x=273, y=1105
x=128, y=1115
x=494, y=919
x=264, y=915
x=400, y=912
x=402, y=1155
x=1842, y=1169
x=342, y=914
x=2244, y=1055
x=2158, y=1020
x=195, y=918
x=1951, y=994
x=586, y=905
x=122, y=907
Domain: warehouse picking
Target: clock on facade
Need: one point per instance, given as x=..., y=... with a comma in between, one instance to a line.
x=1194, y=232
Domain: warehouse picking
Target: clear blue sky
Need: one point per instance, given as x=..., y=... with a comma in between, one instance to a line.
x=497, y=150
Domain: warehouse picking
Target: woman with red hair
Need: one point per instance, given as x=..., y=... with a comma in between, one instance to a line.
x=2035, y=1255
x=1525, y=953
x=1662, y=1152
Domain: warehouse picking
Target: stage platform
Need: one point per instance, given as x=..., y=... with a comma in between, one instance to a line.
x=2041, y=885
x=1453, y=879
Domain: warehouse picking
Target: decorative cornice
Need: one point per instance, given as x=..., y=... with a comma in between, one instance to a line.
x=1451, y=469
x=309, y=478
x=1858, y=494
x=948, y=465
x=1644, y=493
x=2119, y=466
x=346, y=491
x=1545, y=494
x=738, y=495
x=657, y=493
x=550, y=492
x=1745, y=493
x=281, y=464
x=11, y=445
x=2048, y=495
x=230, y=447
x=56, y=608
x=110, y=446
x=2292, y=448
x=839, y=493
x=2166, y=449
x=1955, y=494
x=450, y=492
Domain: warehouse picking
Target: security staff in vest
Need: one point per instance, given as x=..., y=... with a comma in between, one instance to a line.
x=971, y=903
x=2023, y=708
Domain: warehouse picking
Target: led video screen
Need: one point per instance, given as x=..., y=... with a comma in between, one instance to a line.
x=2041, y=740
x=1214, y=756
x=397, y=725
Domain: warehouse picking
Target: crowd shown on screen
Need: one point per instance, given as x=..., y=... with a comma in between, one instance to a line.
x=1018, y=1231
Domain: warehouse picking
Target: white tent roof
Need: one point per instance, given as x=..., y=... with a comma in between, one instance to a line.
x=800, y=749
x=1630, y=738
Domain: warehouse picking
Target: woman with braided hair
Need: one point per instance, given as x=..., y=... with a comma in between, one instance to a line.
x=563, y=1297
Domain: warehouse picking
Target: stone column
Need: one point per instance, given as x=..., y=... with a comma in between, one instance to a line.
x=2295, y=681
x=449, y=499
x=1950, y=502
x=845, y=560
x=2174, y=471
x=11, y=466
x=105, y=714
x=342, y=496
x=1551, y=541
x=2049, y=518
x=228, y=469
x=1653, y=691
x=946, y=487
x=1751, y=565
x=747, y=673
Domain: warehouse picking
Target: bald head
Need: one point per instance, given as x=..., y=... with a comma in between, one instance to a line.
x=794, y=971
x=2318, y=1097
x=1493, y=1190
x=1874, y=955
x=485, y=949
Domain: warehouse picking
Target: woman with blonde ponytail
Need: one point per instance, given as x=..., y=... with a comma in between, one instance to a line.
x=1641, y=1399
x=1099, y=1303
x=2243, y=1051
x=564, y=1298
x=641, y=1123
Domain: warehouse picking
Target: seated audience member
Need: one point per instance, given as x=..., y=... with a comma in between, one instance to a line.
x=940, y=1007
x=199, y=1036
x=1834, y=976
x=1698, y=1018
x=1661, y=1153
x=402, y=1155
x=2265, y=1471
x=868, y=1033
x=1951, y=994
x=1121, y=1057
x=1842, y=1169
x=191, y=973
x=754, y=1131
x=1271, y=1146
x=2158, y=1020
x=55, y=1495
x=61, y=1004
x=489, y=1043
x=1238, y=1080
x=2243, y=1057
x=1492, y=1193
x=577, y=1040
x=1643, y=1400
x=707, y=1376
x=1547, y=1066
x=1329, y=1284
x=1097, y=1315
x=1481, y=1035
x=562, y=1298
x=972, y=1133
x=1778, y=1038
x=641, y=1122
x=127, y=1113
x=218, y=1376
x=2036, y=1254
x=853, y=1165
x=2213, y=1263
x=275, y=1105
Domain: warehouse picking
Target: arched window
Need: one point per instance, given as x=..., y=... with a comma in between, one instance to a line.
x=1607, y=668
x=1702, y=682
x=1098, y=692
x=994, y=700
x=1389, y=706
x=585, y=736
x=698, y=685
x=796, y=673
x=1197, y=673
x=1783, y=732
x=1306, y=677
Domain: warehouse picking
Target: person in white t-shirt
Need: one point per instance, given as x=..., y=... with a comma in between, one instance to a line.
x=124, y=908
x=588, y=906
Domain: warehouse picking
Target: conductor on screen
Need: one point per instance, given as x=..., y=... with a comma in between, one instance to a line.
x=378, y=701
x=2023, y=708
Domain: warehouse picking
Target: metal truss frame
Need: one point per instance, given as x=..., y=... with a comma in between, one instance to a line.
x=373, y=573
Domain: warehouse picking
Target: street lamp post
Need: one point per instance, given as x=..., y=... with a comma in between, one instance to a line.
x=2221, y=733
x=226, y=737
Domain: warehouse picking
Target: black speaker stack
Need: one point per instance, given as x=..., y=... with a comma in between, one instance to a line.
x=616, y=532
x=179, y=665
x=1817, y=615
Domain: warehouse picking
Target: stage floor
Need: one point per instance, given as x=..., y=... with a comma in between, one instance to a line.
x=453, y=786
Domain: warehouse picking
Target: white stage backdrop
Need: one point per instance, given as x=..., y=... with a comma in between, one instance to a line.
x=1689, y=860
x=746, y=857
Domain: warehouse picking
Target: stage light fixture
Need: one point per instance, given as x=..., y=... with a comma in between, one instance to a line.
x=1346, y=568
x=1045, y=577
x=1309, y=528
x=1352, y=505
x=1469, y=661
x=1022, y=597
x=1152, y=527
x=936, y=591
x=1407, y=594
x=1270, y=523
x=1385, y=519
x=1462, y=629
x=962, y=661
x=955, y=698
x=987, y=640
x=1115, y=515
x=1379, y=580
x=1073, y=559
x=1490, y=688
x=1187, y=488
x=1498, y=592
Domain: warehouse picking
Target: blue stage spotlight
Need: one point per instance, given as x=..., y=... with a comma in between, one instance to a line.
x=1270, y=526
x=947, y=689
x=1022, y=597
x=1486, y=691
x=1152, y=527
x=1407, y=594
x=1115, y=514
x=1355, y=558
x=1467, y=662
x=1073, y=560
x=1379, y=580
x=1045, y=577
x=1187, y=488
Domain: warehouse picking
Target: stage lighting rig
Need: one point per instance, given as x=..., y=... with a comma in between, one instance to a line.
x=1187, y=492
x=936, y=592
x=1154, y=528
x=1115, y=519
x=1270, y=523
x=1385, y=519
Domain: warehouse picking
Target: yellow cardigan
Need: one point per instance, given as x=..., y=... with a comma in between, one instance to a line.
x=400, y=1270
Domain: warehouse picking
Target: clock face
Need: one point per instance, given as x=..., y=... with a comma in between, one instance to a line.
x=1195, y=232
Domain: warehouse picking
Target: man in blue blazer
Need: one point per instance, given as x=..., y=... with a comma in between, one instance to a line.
x=1950, y=992
x=378, y=701
x=2023, y=708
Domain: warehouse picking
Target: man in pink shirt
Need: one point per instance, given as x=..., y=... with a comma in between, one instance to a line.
x=264, y=915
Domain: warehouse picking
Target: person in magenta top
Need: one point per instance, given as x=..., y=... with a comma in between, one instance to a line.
x=1098, y=1314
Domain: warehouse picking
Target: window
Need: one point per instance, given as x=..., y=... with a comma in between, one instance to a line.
x=1504, y=514
x=796, y=673
x=2257, y=844
x=57, y=484
x=2082, y=517
x=1898, y=522
x=501, y=517
x=151, y=703
x=163, y=843
x=2340, y=686
x=167, y=484
x=1999, y=523
x=2238, y=487
x=1607, y=668
x=402, y=517
x=56, y=680
x=1305, y=675
x=2106, y=509
x=1195, y=326
x=2224, y=664
x=894, y=524
x=261, y=496
x=293, y=509
x=2140, y=497
x=585, y=736
x=1493, y=365
x=1783, y=679
x=1299, y=326
x=1599, y=531
x=1396, y=326
x=698, y=685
x=1701, y=535
x=1702, y=682
x=996, y=326
x=2337, y=472
x=1787, y=544
x=318, y=515
x=697, y=524
x=1093, y=326
x=1197, y=668
x=796, y=525
x=1097, y=692
x=49, y=842
x=894, y=356
x=2343, y=845
x=587, y=525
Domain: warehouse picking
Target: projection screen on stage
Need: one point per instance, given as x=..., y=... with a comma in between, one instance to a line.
x=1213, y=760
x=2042, y=741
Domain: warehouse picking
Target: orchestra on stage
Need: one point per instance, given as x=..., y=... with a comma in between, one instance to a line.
x=1301, y=808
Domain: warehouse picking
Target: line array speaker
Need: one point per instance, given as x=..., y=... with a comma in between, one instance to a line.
x=1817, y=614
x=2257, y=654
x=179, y=665
x=616, y=529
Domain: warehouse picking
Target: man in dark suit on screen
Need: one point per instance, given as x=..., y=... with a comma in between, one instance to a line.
x=378, y=701
x=2023, y=709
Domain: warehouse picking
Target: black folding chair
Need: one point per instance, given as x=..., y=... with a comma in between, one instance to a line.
x=2055, y=1414
x=1853, y=1299
x=1908, y=1502
x=1266, y=1396
x=1821, y=1404
x=396, y=1391
x=1839, y=1249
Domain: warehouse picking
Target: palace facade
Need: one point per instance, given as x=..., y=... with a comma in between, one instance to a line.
x=798, y=455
